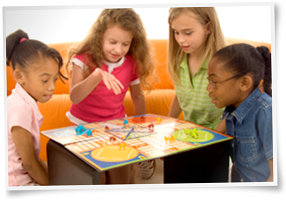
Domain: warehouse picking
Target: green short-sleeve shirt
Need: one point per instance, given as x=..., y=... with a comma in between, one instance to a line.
x=194, y=98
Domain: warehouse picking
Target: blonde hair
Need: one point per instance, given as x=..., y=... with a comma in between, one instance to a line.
x=214, y=41
x=128, y=20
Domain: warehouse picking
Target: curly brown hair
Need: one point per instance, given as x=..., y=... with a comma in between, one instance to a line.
x=128, y=20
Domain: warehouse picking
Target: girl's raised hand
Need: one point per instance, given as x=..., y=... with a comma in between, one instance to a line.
x=110, y=81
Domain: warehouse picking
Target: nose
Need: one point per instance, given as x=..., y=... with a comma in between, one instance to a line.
x=209, y=87
x=118, y=48
x=52, y=86
x=180, y=38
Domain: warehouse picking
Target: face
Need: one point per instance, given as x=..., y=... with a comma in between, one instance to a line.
x=224, y=88
x=39, y=78
x=189, y=33
x=116, y=43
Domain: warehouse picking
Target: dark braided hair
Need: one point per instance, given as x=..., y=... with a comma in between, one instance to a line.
x=242, y=59
x=20, y=50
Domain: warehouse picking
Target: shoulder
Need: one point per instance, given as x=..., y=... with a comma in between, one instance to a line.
x=81, y=56
x=17, y=104
x=266, y=101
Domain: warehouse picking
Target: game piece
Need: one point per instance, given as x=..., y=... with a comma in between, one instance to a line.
x=125, y=123
x=79, y=129
x=106, y=128
x=122, y=146
x=159, y=120
x=88, y=133
x=187, y=131
x=151, y=127
x=172, y=138
x=195, y=133
x=112, y=139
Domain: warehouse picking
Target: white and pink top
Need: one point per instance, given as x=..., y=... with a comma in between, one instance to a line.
x=22, y=111
x=103, y=104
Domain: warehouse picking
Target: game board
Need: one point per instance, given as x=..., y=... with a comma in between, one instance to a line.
x=119, y=142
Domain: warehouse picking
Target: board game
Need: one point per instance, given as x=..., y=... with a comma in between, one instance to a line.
x=114, y=143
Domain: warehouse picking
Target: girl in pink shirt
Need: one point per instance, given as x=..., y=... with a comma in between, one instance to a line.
x=112, y=58
x=35, y=68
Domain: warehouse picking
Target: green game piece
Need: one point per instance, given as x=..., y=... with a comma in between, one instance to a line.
x=196, y=135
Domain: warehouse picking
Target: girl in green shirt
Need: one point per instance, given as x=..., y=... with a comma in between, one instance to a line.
x=194, y=36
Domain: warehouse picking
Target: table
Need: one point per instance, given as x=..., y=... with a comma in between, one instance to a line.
x=192, y=153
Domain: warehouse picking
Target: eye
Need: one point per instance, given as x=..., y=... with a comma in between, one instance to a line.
x=45, y=81
x=176, y=33
x=112, y=42
x=125, y=44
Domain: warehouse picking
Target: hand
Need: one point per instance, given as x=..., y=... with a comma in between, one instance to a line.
x=110, y=81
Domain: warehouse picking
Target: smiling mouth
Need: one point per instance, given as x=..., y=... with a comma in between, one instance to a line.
x=115, y=56
x=185, y=47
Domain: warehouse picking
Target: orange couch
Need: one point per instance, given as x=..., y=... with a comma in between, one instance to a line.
x=158, y=100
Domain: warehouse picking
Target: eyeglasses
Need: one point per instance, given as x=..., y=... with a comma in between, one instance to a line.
x=214, y=83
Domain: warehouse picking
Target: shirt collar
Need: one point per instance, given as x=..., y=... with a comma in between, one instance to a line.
x=184, y=64
x=28, y=99
x=111, y=66
x=241, y=111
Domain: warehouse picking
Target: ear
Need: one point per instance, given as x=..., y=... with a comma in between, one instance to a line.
x=260, y=85
x=246, y=83
x=208, y=27
x=18, y=76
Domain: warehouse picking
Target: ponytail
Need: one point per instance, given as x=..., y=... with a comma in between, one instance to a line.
x=267, y=81
x=20, y=51
x=12, y=42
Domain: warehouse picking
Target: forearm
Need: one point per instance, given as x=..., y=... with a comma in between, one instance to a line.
x=139, y=104
x=37, y=170
x=270, y=178
x=221, y=127
x=138, y=99
x=175, y=108
x=82, y=89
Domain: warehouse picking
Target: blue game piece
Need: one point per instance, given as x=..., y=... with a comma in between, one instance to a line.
x=79, y=129
x=88, y=132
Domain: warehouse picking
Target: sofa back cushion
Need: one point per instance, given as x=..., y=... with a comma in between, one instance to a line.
x=159, y=51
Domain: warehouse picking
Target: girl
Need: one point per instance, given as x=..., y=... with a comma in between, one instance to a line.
x=194, y=36
x=112, y=58
x=234, y=76
x=35, y=68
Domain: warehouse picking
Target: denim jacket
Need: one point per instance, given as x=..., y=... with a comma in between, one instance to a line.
x=251, y=126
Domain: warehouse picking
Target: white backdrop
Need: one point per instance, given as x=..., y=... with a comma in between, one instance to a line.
x=71, y=23
x=205, y=192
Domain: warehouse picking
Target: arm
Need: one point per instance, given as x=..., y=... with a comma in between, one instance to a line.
x=175, y=108
x=221, y=127
x=81, y=86
x=138, y=99
x=24, y=144
x=270, y=179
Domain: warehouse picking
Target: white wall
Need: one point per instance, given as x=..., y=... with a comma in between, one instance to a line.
x=63, y=24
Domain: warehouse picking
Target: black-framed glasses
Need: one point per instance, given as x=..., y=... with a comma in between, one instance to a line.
x=214, y=83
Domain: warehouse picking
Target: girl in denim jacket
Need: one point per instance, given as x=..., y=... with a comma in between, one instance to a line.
x=235, y=75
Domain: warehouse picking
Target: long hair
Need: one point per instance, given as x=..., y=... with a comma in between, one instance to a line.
x=128, y=20
x=214, y=41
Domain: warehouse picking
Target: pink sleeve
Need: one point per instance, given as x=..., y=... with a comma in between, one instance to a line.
x=19, y=117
